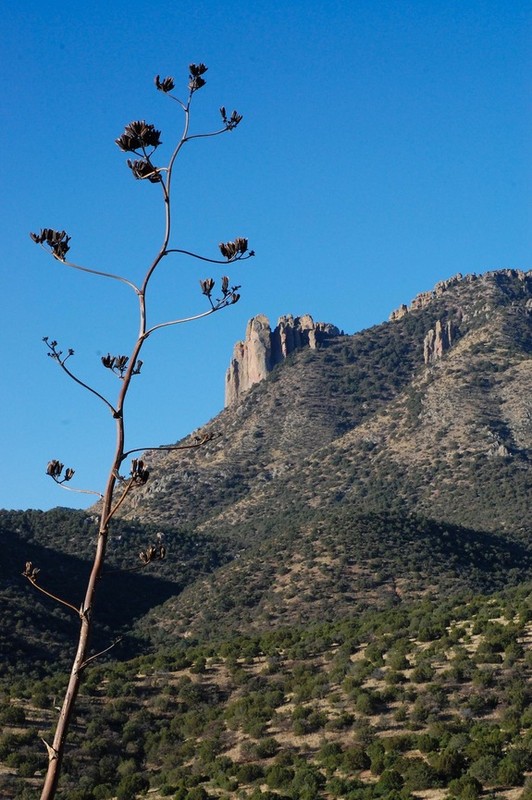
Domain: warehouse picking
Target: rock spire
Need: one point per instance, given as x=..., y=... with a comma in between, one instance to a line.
x=262, y=349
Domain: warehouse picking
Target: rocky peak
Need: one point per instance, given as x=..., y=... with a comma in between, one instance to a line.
x=422, y=299
x=262, y=349
x=498, y=277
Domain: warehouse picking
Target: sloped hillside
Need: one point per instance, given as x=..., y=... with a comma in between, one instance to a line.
x=383, y=466
x=337, y=565
x=429, y=700
x=365, y=417
x=368, y=471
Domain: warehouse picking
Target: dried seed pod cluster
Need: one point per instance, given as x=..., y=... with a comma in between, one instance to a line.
x=236, y=249
x=229, y=293
x=143, y=169
x=137, y=136
x=196, y=81
x=118, y=364
x=31, y=572
x=54, y=468
x=207, y=437
x=232, y=121
x=57, y=241
x=155, y=552
x=138, y=472
x=207, y=286
x=165, y=85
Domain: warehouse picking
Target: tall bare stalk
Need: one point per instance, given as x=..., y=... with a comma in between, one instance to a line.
x=141, y=139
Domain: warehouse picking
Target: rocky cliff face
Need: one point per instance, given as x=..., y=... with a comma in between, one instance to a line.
x=262, y=349
x=437, y=341
x=446, y=331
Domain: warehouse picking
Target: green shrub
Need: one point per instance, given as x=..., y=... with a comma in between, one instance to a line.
x=197, y=793
x=12, y=715
x=419, y=775
x=390, y=780
x=266, y=748
x=510, y=773
x=466, y=788
x=131, y=785
x=279, y=777
x=247, y=773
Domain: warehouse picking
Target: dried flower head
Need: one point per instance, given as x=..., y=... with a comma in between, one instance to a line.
x=230, y=294
x=137, y=136
x=143, y=169
x=164, y=85
x=139, y=473
x=231, y=250
x=57, y=241
x=207, y=286
x=54, y=469
x=195, y=80
x=155, y=552
x=232, y=121
x=118, y=364
x=31, y=572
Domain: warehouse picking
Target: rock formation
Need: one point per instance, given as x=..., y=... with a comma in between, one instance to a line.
x=437, y=341
x=424, y=298
x=263, y=348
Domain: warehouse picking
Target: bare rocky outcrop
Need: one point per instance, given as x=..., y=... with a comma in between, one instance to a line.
x=437, y=341
x=423, y=299
x=262, y=349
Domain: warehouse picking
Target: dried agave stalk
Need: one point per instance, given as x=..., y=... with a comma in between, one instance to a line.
x=142, y=140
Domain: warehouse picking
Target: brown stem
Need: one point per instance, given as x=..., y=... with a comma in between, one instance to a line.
x=102, y=652
x=85, y=386
x=165, y=447
x=56, y=752
x=53, y=596
x=95, y=272
x=121, y=500
x=225, y=261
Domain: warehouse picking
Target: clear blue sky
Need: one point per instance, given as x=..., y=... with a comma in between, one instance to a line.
x=383, y=148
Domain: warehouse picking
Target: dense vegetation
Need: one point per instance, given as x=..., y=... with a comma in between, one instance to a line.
x=430, y=695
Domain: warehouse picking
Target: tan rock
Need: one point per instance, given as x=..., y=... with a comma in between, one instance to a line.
x=437, y=341
x=262, y=349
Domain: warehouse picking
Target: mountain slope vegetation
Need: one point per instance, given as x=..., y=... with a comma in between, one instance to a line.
x=344, y=609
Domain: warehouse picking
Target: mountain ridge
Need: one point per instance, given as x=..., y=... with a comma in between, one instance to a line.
x=357, y=441
x=351, y=383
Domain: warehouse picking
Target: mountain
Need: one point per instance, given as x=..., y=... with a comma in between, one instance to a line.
x=344, y=609
x=392, y=417
x=358, y=471
x=374, y=466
